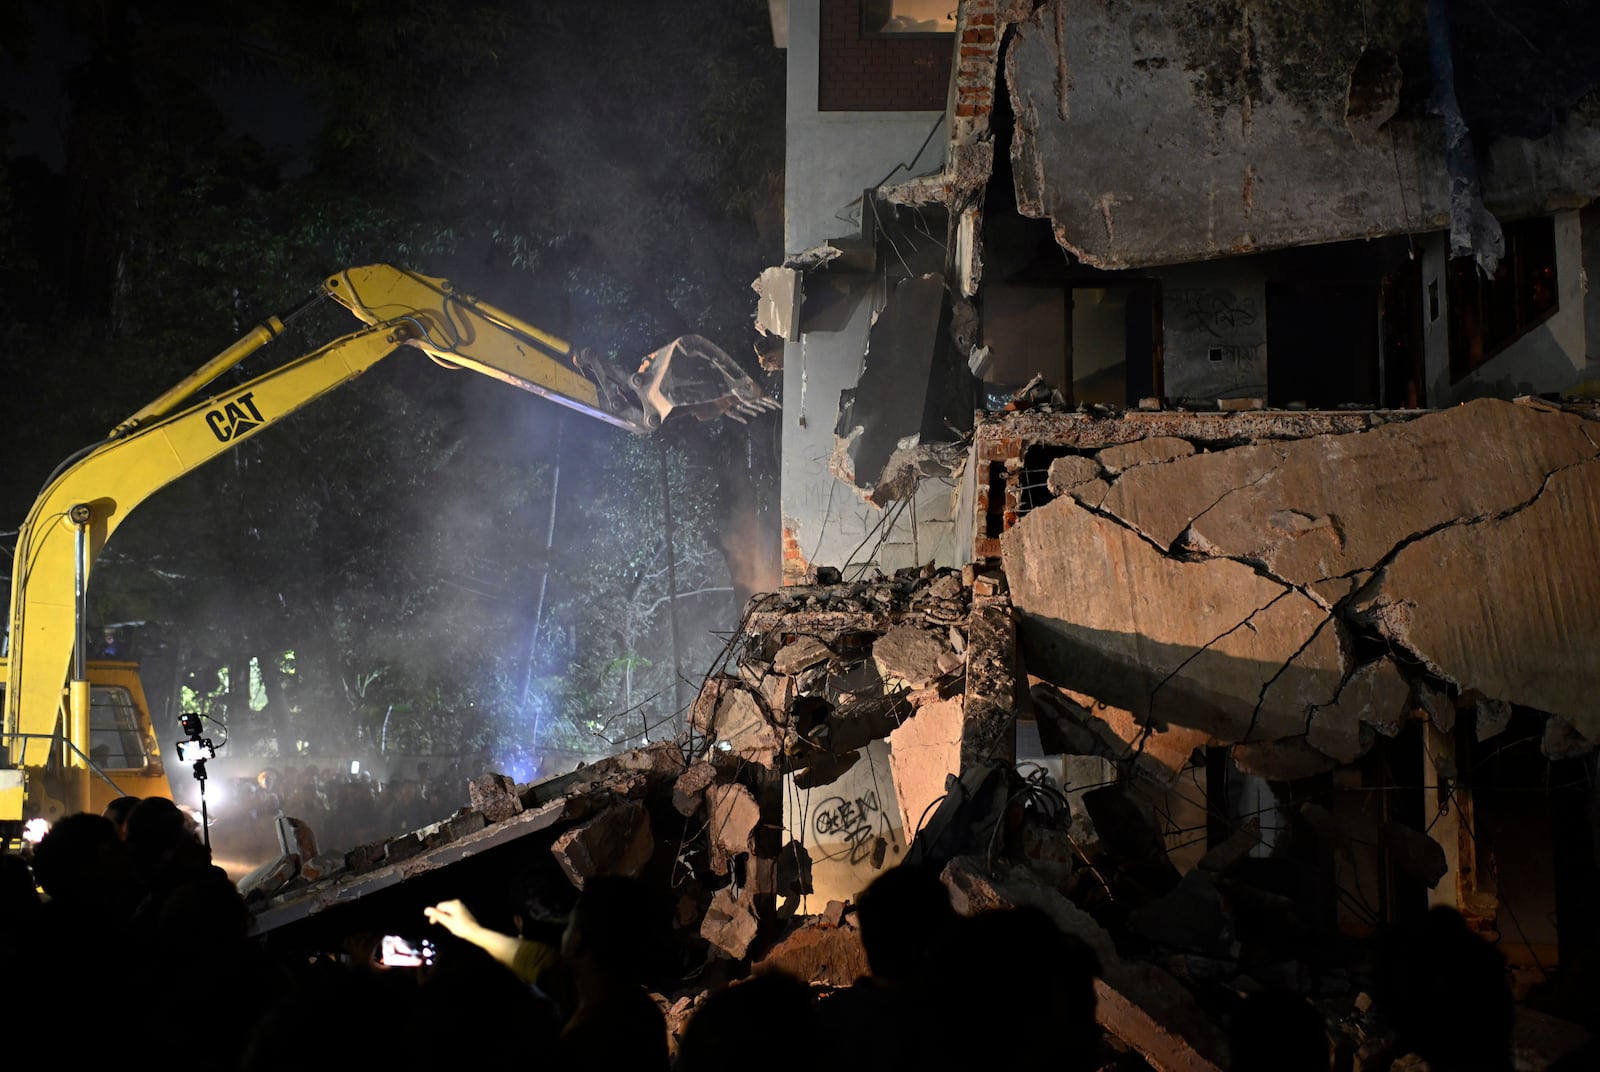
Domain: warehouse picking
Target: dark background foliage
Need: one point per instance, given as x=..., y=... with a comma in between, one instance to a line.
x=378, y=571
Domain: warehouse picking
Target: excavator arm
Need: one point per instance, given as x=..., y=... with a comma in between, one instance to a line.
x=93, y=492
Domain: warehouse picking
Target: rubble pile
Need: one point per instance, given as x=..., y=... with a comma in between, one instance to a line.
x=858, y=726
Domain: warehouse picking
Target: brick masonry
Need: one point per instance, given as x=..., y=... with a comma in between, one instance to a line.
x=889, y=73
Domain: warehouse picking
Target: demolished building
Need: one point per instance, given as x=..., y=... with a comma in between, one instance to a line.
x=1190, y=492
x=1249, y=345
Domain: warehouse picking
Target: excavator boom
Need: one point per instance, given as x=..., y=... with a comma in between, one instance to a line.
x=91, y=494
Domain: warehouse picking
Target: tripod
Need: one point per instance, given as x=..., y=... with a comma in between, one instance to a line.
x=200, y=776
x=199, y=749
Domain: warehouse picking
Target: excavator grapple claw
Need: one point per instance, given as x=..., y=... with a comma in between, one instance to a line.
x=691, y=374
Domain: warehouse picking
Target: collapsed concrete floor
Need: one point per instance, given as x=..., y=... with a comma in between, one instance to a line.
x=1226, y=695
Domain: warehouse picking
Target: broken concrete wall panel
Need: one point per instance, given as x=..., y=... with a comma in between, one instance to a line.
x=850, y=828
x=1211, y=645
x=1152, y=451
x=923, y=752
x=880, y=410
x=1243, y=143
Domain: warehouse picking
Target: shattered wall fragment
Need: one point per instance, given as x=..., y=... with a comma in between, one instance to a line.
x=1261, y=128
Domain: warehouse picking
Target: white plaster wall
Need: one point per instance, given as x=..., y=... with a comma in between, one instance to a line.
x=831, y=157
x=1549, y=358
x=831, y=521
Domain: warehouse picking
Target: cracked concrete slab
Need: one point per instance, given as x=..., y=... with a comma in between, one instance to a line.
x=1209, y=644
x=1227, y=589
x=1375, y=699
x=1333, y=505
x=1484, y=611
x=1152, y=451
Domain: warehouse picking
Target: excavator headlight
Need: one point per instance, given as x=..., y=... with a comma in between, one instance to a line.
x=34, y=830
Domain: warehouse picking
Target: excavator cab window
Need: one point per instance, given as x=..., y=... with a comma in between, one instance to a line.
x=115, y=741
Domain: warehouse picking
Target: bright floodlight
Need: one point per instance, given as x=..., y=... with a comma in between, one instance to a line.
x=34, y=830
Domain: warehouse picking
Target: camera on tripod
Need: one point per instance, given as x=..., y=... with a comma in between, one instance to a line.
x=197, y=748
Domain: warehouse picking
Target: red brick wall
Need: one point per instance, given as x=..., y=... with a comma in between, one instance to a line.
x=879, y=74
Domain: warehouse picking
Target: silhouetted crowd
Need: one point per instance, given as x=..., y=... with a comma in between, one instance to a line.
x=345, y=809
x=138, y=953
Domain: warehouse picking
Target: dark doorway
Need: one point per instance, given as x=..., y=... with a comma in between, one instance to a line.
x=1404, y=361
x=1322, y=343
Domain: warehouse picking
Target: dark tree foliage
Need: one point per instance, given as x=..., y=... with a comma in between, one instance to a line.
x=370, y=569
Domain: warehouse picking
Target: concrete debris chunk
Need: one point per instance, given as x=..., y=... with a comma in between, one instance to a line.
x=778, y=691
x=618, y=841
x=818, y=953
x=402, y=848
x=778, y=307
x=730, y=924
x=322, y=866
x=946, y=585
x=663, y=758
x=703, y=712
x=1440, y=709
x=465, y=821
x=734, y=815
x=1212, y=644
x=802, y=653
x=691, y=784
x=1562, y=741
x=1493, y=716
x=1070, y=472
x=495, y=796
x=739, y=728
x=908, y=657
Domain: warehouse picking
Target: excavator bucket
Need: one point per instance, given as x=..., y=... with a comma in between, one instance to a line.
x=691, y=374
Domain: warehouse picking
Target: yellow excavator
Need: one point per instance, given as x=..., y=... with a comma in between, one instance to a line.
x=78, y=732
